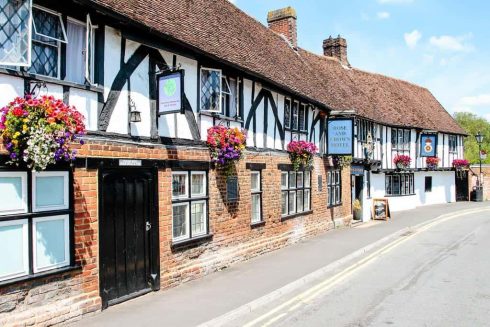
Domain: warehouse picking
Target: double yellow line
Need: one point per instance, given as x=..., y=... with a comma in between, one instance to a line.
x=307, y=296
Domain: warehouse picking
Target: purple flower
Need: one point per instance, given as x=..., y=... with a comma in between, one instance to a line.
x=13, y=156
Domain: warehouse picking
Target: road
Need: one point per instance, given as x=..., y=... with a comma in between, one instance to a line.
x=436, y=276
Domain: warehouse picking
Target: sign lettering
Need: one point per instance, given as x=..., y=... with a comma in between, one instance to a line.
x=339, y=138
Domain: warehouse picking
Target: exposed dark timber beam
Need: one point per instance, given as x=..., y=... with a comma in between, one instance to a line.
x=127, y=69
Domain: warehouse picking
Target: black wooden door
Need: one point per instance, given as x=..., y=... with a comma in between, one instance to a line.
x=128, y=253
x=462, y=186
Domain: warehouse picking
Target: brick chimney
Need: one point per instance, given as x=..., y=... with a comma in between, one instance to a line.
x=337, y=48
x=283, y=21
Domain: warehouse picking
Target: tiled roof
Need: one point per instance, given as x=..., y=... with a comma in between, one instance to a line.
x=221, y=30
x=380, y=98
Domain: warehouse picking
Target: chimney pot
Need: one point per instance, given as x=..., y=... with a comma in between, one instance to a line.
x=283, y=21
x=336, y=48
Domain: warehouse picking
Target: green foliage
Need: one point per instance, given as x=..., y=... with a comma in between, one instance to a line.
x=472, y=124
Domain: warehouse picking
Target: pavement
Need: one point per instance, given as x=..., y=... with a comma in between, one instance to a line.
x=226, y=297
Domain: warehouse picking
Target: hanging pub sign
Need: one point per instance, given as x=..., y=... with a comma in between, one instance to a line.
x=170, y=92
x=428, y=145
x=340, y=137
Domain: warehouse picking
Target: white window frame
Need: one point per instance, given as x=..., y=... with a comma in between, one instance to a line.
x=187, y=221
x=25, y=245
x=203, y=173
x=66, y=221
x=23, y=176
x=29, y=35
x=49, y=11
x=90, y=35
x=187, y=185
x=63, y=29
x=66, y=202
x=220, y=109
x=255, y=192
x=89, y=28
x=205, y=210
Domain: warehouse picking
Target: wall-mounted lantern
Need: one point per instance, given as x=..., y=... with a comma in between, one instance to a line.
x=134, y=114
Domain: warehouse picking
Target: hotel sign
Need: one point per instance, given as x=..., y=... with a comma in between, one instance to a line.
x=170, y=92
x=340, y=137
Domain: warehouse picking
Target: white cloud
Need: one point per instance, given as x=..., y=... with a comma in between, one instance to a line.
x=451, y=43
x=473, y=104
x=396, y=2
x=478, y=100
x=383, y=15
x=412, y=38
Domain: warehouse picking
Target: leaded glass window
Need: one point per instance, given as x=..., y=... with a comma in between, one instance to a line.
x=211, y=90
x=294, y=122
x=49, y=31
x=302, y=117
x=15, y=32
x=287, y=113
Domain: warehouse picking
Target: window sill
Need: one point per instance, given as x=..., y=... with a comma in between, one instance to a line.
x=40, y=275
x=221, y=116
x=257, y=224
x=401, y=195
x=334, y=205
x=35, y=77
x=191, y=242
x=304, y=213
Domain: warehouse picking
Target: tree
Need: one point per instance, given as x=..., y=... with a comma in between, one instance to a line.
x=473, y=124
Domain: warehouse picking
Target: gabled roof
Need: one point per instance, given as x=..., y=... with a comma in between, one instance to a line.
x=223, y=31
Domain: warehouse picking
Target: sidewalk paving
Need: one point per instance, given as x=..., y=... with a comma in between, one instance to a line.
x=201, y=300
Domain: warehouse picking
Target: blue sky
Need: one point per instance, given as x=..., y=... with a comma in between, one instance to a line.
x=443, y=45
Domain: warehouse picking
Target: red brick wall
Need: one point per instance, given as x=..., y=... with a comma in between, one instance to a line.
x=67, y=297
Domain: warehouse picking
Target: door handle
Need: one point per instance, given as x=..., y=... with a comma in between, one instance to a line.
x=148, y=226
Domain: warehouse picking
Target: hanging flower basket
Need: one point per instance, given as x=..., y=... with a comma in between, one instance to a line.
x=432, y=162
x=301, y=153
x=461, y=164
x=342, y=161
x=226, y=146
x=402, y=161
x=39, y=132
